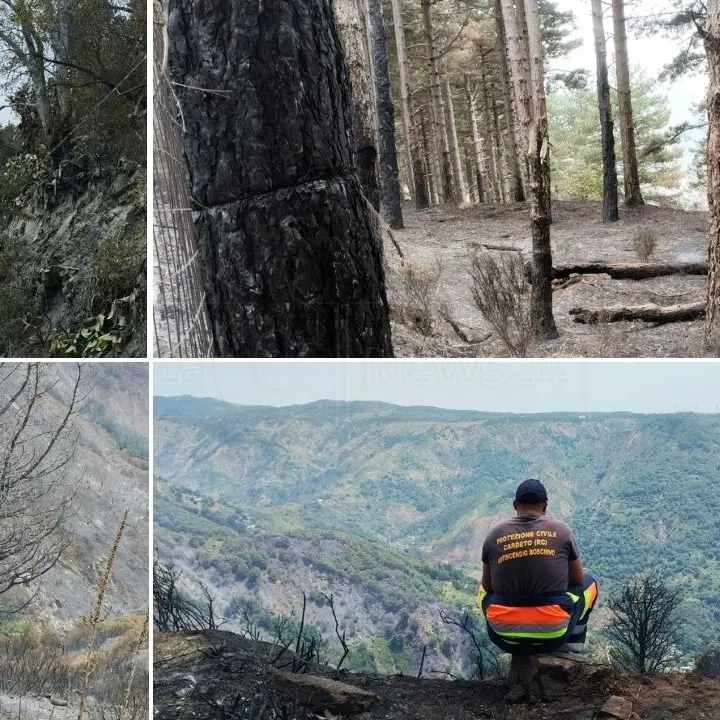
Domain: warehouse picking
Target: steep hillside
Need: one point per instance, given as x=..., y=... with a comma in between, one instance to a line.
x=110, y=470
x=72, y=269
x=429, y=483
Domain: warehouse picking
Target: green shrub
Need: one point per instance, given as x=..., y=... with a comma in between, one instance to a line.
x=707, y=663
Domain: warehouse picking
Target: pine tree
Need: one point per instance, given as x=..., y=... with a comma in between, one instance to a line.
x=712, y=47
x=610, y=195
x=350, y=17
x=389, y=182
x=293, y=266
x=522, y=29
x=633, y=196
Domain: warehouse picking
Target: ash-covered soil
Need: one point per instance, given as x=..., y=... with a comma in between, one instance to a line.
x=448, y=235
x=215, y=674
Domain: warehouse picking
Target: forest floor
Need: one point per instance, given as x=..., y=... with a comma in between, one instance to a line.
x=445, y=237
x=216, y=674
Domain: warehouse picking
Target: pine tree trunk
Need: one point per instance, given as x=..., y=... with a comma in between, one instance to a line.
x=533, y=113
x=517, y=191
x=431, y=170
x=470, y=174
x=412, y=141
x=351, y=25
x=633, y=196
x=455, y=145
x=390, y=184
x=497, y=146
x=610, y=195
x=518, y=68
x=438, y=105
x=477, y=141
x=712, y=46
x=292, y=265
x=493, y=178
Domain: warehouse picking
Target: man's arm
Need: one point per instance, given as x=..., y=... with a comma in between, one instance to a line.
x=486, y=581
x=576, y=574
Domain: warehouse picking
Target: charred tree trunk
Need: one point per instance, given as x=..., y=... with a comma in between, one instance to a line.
x=633, y=196
x=438, y=105
x=431, y=171
x=351, y=24
x=712, y=47
x=477, y=140
x=291, y=263
x=497, y=145
x=390, y=184
x=517, y=191
x=531, y=103
x=492, y=169
x=610, y=196
x=470, y=174
x=659, y=314
x=626, y=271
x=412, y=141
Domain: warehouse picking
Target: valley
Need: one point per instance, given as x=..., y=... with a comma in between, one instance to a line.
x=386, y=508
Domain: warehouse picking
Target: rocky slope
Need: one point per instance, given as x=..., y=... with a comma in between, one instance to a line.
x=73, y=258
x=110, y=468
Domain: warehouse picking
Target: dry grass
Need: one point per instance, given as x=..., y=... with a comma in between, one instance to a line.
x=99, y=665
x=417, y=302
x=39, y=661
x=578, y=235
x=502, y=294
x=644, y=244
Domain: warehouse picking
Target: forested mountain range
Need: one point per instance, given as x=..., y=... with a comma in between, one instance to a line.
x=387, y=506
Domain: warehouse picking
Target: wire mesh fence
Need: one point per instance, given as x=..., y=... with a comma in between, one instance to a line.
x=180, y=316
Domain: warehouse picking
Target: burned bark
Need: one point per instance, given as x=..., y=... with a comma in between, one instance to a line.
x=517, y=191
x=633, y=196
x=647, y=313
x=292, y=265
x=626, y=271
x=390, y=185
x=438, y=109
x=412, y=141
x=539, y=157
x=350, y=19
x=610, y=195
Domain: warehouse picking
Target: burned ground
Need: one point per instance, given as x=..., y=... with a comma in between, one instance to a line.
x=215, y=674
x=449, y=235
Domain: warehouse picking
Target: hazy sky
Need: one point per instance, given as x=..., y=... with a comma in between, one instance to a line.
x=504, y=386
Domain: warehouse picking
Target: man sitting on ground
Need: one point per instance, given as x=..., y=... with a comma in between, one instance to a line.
x=535, y=595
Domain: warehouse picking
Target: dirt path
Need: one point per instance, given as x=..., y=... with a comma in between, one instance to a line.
x=448, y=235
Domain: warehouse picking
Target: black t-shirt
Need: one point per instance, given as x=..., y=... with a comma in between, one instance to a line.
x=529, y=555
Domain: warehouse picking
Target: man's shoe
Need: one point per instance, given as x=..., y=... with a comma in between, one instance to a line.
x=576, y=648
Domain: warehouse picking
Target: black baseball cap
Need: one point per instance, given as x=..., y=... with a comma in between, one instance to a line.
x=531, y=492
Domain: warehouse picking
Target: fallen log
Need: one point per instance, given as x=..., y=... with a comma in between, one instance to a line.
x=625, y=271
x=322, y=694
x=648, y=313
x=499, y=248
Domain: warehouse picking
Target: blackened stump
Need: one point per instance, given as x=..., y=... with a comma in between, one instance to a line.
x=293, y=266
